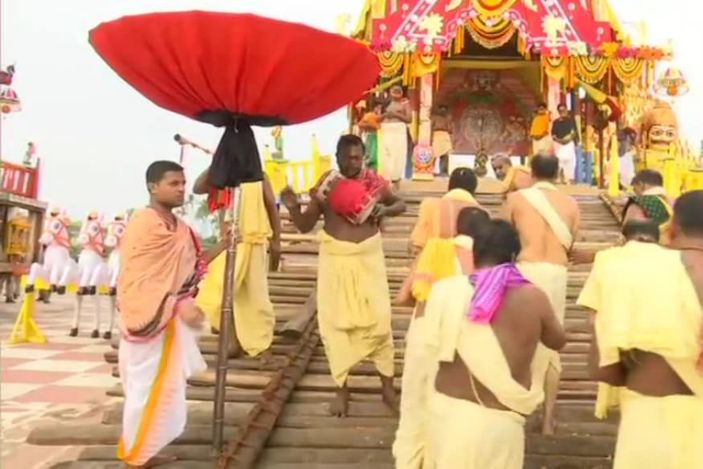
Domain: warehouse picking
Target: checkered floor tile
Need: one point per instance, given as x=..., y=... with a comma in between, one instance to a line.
x=61, y=380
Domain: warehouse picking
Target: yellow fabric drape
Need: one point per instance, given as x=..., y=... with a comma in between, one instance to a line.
x=493, y=35
x=665, y=324
x=555, y=67
x=437, y=260
x=424, y=64
x=628, y=70
x=591, y=69
x=391, y=63
x=353, y=303
x=254, y=317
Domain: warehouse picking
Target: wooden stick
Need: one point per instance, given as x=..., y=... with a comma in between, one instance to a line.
x=227, y=328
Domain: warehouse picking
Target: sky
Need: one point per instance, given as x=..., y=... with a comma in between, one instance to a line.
x=96, y=135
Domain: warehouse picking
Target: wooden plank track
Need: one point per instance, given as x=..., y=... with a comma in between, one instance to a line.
x=277, y=416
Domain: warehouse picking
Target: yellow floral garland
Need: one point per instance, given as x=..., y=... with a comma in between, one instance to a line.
x=391, y=62
x=591, y=69
x=424, y=64
x=628, y=70
x=555, y=67
x=491, y=36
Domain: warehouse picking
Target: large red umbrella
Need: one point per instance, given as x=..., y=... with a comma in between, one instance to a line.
x=235, y=71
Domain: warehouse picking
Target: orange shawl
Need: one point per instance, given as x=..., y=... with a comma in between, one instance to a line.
x=156, y=263
x=540, y=126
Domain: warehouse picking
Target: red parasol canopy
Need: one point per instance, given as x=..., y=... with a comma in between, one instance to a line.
x=235, y=71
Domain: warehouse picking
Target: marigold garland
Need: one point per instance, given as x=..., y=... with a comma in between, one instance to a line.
x=391, y=62
x=491, y=36
x=591, y=69
x=628, y=70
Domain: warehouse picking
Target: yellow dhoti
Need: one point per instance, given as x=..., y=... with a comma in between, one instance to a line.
x=644, y=300
x=441, y=143
x=410, y=446
x=438, y=260
x=466, y=435
x=670, y=428
x=254, y=318
x=353, y=305
x=552, y=280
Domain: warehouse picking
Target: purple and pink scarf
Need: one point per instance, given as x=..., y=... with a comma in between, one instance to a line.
x=491, y=286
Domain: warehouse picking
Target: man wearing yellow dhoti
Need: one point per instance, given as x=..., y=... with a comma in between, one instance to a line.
x=353, y=300
x=484, y=331
x=547, y=221
x=439, y=259
x=161, y=266
x=647, y=344
x=259, y=230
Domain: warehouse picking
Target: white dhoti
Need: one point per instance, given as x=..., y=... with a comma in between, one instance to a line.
x=466, y=435
x=393, y=150
x=552, y=280
x=567, y=159
x=542, y=146
x=419, y=370
x=154, y=375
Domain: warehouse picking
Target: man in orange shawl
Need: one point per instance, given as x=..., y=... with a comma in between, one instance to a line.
x=161, y=267
x=540, y=131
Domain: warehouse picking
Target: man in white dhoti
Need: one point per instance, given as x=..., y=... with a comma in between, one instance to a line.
x=162, y=265
x=547, y=222
x=565, y=136
x=394, y=144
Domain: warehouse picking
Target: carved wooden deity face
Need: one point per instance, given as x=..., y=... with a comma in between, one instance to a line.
x=661, y=136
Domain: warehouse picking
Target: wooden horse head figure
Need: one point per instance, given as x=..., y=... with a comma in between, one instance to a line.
x=115, y=231
x=92, y=234
x=56, y=229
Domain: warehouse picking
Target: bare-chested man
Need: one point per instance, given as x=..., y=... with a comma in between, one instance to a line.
x=353, y=299
x=440, y=259
x=547, y=221
x=488, y=380
x=513, y=178
x=646, y=301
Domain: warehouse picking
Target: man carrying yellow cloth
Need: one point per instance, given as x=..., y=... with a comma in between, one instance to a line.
x=441, y=258
x=259, y=230
x=484, y=331
x=353, y=300
x=647, y=344
x=547, y=221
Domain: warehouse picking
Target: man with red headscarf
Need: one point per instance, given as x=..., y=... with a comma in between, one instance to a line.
x=353, y=299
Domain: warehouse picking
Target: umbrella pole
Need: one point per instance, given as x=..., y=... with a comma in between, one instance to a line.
x=227, y=328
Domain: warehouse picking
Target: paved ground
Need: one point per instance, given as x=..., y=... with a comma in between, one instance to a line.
x=59, y=381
